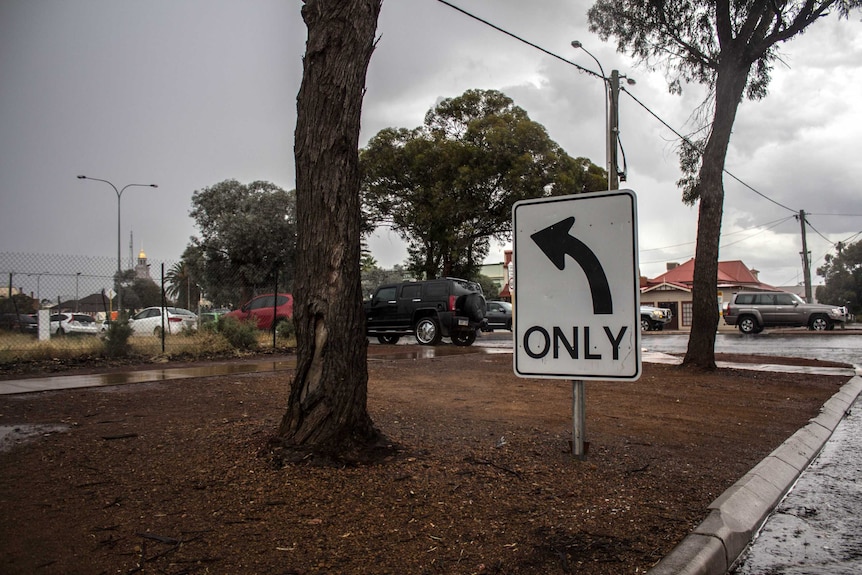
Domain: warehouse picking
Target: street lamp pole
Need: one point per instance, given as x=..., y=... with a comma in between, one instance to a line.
x=608, y=165
x=612, y=117
x=119, y=193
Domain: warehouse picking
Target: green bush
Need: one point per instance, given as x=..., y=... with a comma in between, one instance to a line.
x=241, y=335
x=116, y=340
x=285, y=329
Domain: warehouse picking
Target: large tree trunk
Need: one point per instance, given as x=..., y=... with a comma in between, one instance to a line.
x=327, y=408
x=730, y=84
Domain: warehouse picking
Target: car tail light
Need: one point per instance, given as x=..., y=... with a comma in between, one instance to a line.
x=452, y=300
x=175, y=319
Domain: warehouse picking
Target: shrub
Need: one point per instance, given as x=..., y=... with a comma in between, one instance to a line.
x=116, y=340
x=241, y=335
x=285, y=329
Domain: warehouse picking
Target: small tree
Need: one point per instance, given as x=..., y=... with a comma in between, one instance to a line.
x=247, y=236
x=843, y=276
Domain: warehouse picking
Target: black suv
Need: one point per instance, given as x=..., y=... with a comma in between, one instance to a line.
x=429, y=310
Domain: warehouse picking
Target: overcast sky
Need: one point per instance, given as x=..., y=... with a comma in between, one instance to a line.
x=185, y=94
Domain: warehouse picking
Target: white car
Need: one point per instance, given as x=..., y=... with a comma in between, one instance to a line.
x=72, y=323
x=149, y=321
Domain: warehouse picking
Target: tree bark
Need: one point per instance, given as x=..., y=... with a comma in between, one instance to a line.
x=327, y=407
x=730, y=84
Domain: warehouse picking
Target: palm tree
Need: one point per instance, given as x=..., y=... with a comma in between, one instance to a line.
x=181, y=286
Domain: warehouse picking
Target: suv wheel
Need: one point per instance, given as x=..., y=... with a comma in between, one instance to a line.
x=748, y=325
x=646, y=325
x=427, y=331
x=819, y=323
x=388, y=339
x=464, y=338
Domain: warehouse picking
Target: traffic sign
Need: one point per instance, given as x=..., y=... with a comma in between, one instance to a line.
x=577, y=312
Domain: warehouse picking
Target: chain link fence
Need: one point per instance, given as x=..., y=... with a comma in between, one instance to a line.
x=66, y=302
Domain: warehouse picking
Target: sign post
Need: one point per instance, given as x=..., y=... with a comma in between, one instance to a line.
x=577, y=315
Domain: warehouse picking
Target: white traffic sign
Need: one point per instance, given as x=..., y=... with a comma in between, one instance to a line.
x=577, y=308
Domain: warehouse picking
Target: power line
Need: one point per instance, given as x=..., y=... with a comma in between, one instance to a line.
x=776, y=222
x=622, y=88
x=519, y=39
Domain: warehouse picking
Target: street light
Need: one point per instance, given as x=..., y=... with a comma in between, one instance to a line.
x=612, y=120
x=119, y=197
x=579, y=46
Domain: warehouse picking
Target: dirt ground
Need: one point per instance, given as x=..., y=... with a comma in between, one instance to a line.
x=170, y=477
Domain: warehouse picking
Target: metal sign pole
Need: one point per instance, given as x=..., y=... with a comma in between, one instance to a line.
x=579, y=419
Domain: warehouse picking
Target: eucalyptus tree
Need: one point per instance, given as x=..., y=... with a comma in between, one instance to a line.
x=730, y=47
x=447, y=187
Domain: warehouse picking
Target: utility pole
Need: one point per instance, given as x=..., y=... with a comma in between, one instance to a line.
x=806, y=266
x=613, y=130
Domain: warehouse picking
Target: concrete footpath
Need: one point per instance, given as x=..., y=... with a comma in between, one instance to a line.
x=737, y=515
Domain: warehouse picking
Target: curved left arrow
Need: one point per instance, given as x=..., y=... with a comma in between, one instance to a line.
x=556, y=242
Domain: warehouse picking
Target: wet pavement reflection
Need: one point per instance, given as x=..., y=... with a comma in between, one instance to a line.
x=375, y=353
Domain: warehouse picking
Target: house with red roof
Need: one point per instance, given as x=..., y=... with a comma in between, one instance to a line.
x=672, y=289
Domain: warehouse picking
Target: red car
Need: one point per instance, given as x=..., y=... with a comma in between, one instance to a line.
x=264, y=308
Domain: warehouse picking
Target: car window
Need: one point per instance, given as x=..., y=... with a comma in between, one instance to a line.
x=57, y=317
x=745, y=299
x=784, y=299
x=411, y=291
x=262, y=302
x=436, y=290
x=82, y=318
x=385, y=294
x=281, y=300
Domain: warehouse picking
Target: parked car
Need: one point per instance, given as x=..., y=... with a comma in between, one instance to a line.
x=212, y=315
x=428, y=310
x=21, y=322
x=499, y=315
x=753, y=311
x=73, y=323
x=654, y=318
x=148, y=321
x=266, y=310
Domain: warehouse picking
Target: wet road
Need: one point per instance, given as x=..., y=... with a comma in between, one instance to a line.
x=817, y=528
x=833, y=346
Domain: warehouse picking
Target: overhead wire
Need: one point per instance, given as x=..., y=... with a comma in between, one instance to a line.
x=641, y=104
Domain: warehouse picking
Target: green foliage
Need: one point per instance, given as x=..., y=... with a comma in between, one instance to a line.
x=700, y=42
x=843, y=276
x=286, y=329
x=138, y=292
x=240, y=334
x=247, y=236
x=116, y=339
x=371, y=278
x=489, y=286
x=448, y=186
x=182, y=285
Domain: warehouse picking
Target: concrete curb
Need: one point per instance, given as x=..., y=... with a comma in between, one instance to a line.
x=737, y=514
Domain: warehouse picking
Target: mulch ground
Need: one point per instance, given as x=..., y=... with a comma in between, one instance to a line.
x=173, y=477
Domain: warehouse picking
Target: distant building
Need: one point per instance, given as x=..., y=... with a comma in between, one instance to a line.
x=142, y=268
x=672, y=289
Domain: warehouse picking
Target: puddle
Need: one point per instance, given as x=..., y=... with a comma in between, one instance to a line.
x=14, y=435
x=375, y=353
x=143, y=376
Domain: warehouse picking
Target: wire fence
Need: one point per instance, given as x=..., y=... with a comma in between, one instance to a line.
x=42, y=295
